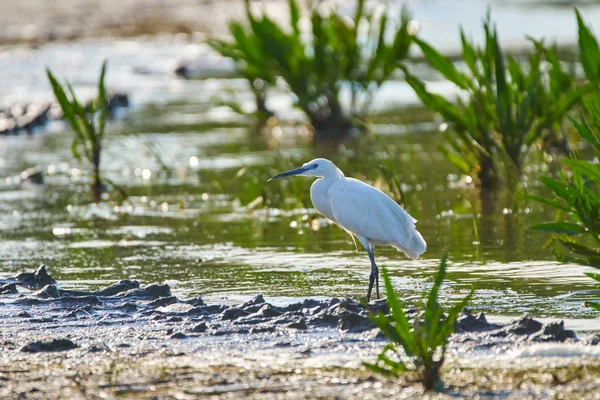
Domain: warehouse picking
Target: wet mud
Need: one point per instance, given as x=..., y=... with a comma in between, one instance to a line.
x=125, y=332
x=35, y=297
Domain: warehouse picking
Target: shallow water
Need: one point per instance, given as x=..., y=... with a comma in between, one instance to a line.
x=194, y=173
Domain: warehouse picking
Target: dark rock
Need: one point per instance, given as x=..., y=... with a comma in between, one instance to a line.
x=379, y=306
x=253, y=302
x=128, y=307
x=251, y=309
x=554, y=332
x=152, y=291
x=179, y=335
x=197, y=302
x=201, y=327
x=55, y=345
x=83, y=300
x=48, y=292
x=35, y=280
x=522, y=326
x=233, y=314
x=467, y=322
x=227, y=332
x=28, y=301
x=299, y=324
x=80, y=311
x=41, y=320
x=354, y=322
x=594, y=340
x=9, y=288
x=118, y=288
x=163, y=301
x=331, y=315
x=308, y=304
x=207, y=310
x=268, y=310
x=350, y=305
x=325, y=317
x=262, y=329
x=97, y=348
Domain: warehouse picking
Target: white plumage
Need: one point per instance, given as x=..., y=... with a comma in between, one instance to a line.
x=368, y=213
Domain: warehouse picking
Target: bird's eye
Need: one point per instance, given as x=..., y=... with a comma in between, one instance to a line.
x=314, y=166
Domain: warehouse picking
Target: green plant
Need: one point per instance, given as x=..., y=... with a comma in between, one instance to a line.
x=424, y=340
x=250, y=64
x=510, y=103
x=578, y=197
x=88, y=124
x=337, y=55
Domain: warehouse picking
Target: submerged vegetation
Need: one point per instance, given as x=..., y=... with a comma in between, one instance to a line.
x=88, y=124
x=510, y=104
x=423, y=341
x=337, y=56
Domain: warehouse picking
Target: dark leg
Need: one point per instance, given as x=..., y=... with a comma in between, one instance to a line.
x=374, y=277
x=371, y=282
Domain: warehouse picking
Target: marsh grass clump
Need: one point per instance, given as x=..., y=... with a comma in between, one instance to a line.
x=510, y=104
x=88, y=124
x=577, y=193
x=250, y=65
x=423, y=341
x=337, y=53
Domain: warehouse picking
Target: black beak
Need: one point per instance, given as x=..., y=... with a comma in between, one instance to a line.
x=296, y=171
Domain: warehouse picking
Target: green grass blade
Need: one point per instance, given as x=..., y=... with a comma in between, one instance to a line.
x=101, y=101
x=295, y=17
x=502, y=90
x=549, y=202
x=567, y=228
x=591, y=304
x=447, y=326
x=469, y=54
x=585, y=132
x=560, y=189
x=584, y=167
x=443, y=65
x=63, y=101
x=402, y=325
x=593, y=276
x=589, y=53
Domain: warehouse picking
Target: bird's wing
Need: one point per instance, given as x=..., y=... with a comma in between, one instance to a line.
x=370, y=213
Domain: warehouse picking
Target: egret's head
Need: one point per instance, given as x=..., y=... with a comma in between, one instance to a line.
x=319, y=167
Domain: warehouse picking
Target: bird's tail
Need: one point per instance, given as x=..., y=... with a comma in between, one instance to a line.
x=414, y=247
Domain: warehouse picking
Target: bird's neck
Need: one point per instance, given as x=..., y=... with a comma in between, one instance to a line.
x=333, y=175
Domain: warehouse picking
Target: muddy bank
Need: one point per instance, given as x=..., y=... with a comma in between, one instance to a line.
x=32, y=298
x=129, y=339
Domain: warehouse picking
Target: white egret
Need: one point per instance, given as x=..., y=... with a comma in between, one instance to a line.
x=362, y=210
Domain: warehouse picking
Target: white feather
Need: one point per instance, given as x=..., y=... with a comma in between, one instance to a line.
x=368, y=212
